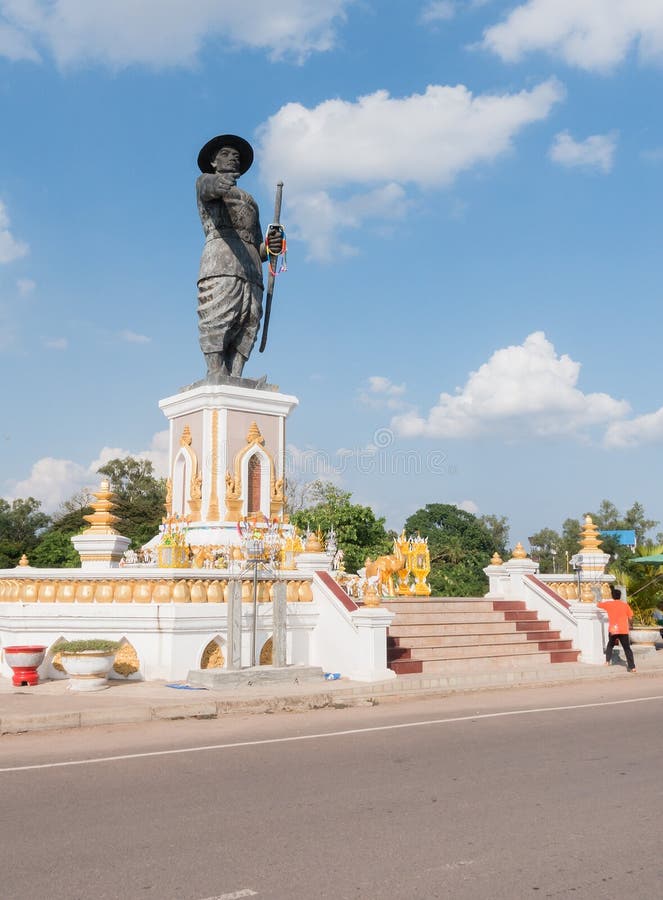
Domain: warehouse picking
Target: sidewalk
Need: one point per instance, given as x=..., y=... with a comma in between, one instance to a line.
x=51, y=706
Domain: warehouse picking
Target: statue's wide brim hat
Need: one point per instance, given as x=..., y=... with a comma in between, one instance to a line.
x=212, y=147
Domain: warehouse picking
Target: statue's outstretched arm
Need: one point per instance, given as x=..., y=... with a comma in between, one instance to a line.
x=210, y=187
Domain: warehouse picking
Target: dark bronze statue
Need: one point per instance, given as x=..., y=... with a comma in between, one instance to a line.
x=230, y=284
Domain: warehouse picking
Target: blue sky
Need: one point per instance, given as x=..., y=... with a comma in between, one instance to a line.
x=472, y=195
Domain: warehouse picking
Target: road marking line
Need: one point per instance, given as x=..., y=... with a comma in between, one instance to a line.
x=329, y=734
x=236, y=895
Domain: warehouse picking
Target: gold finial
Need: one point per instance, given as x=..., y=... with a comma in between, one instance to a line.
x=23, y=561
x=370, y=597
x=519, y=552
x=589, y=537
x=102, y=521
x=496, y=559
x=254, y=436
x=314, y=542
x=185, y=440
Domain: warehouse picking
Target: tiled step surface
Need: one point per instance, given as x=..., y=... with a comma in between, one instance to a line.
x=456, y=634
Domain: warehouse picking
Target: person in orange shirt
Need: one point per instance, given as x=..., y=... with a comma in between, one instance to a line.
x=619, y=620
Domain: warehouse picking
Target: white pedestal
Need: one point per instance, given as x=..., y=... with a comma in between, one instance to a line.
x=100, y=551
x=591, y=638
x=226, y=455
x=371, y=624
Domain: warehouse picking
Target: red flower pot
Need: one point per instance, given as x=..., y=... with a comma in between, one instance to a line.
x=24, y=662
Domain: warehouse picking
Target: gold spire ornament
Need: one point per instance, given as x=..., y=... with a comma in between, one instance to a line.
x=519, y=552
x=496, y=559
x=254, y=435
x=102, y=521
x=589, y=537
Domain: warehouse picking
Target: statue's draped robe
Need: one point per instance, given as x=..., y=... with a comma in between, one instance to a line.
x=230, y=282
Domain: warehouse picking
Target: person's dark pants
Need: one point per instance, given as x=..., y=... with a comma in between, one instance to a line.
x=626, y=646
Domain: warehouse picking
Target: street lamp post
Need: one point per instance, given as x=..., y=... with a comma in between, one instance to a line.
x=261, y=543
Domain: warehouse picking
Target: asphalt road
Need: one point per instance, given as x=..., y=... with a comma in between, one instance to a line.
x=493, y=795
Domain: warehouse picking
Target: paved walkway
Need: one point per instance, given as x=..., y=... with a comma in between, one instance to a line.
x=51, y=706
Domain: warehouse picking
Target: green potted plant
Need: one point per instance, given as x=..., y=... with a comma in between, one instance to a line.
x=87, y=662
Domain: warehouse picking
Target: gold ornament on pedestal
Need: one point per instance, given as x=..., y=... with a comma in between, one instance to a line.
x=404, y=588
x=371, y=597
x=173, y=551
x=420, y=565
x=102, y=521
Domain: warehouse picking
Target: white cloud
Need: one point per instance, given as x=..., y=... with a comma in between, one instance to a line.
x=646, y=429
x=595, y=152
x=55, y=480
x=163, y=33
x=15, y=45
x=157, y=454
x=132, y=338
x=373, y=147
x=590, y=34
x=10, y=248
x=380, y=392
x=319, y=219
x=378, y=384
x=468, y=506
x=310, y=464
x=522, y=391
x=437, y=11
x=25, y=286
x=59, y=343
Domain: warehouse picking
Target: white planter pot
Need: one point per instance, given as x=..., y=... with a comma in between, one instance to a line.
x=645, y=635
x=88, y=670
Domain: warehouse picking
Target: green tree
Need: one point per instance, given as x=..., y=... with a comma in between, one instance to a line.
x=546, y=546
x=636, y=519
x=608, y=518
x=55, y=551
x=21, y=522
x=358, y=532
x=570, y=543
x=460, y=546
x=498, y=526
x=139, y=497
x=643, y=583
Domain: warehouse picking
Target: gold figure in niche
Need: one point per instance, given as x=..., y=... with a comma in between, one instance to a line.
x=233, y=499
x=212, y=657
x=266, y=653
x=126, y=661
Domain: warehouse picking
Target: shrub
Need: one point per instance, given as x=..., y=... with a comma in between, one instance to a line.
x=90, y=644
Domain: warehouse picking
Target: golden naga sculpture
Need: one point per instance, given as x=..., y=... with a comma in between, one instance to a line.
x=385, y=567
x=276, y=497
x=201, y=555
x=233, y=499
x=196, y=489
